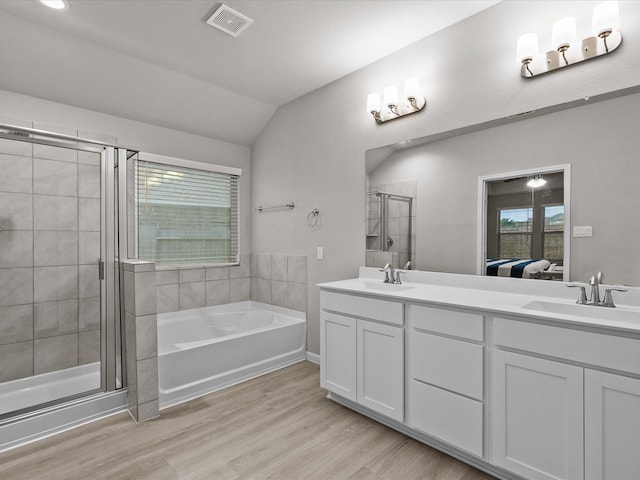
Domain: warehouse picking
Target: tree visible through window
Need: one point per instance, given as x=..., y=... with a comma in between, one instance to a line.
x=186, y=215
x=515, y=230
x=553, y=233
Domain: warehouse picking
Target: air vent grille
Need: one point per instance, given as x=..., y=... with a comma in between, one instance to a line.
x=229, y=21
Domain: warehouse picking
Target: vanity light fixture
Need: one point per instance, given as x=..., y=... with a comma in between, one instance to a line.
x=55, y=4
x=567, y=49
x=536, y=182
x=394, y=107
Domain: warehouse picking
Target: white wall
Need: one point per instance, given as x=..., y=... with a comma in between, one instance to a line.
x=312, y=150
x=138, y=136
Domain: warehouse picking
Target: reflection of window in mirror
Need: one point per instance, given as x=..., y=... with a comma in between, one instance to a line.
x=525, y=227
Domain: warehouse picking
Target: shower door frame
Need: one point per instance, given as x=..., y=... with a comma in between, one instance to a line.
x=383, y=217
x=106, y=263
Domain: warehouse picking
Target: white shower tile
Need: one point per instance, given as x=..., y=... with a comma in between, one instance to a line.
x=279, y=293
x=146, y=336
x=89, y=282
x=88, y=181
x=263, y=291
x=88, y=313
x=17, y=174
x=239, y=289
x=217, y=273
x=89, y=158
x=53, y=248
x=55, y=318
x=16, y=212
x=192, y=295
x=147, y=373
x=17, y=286
x=166, y=277
x=17, y=249
x=243, y=270
x=297, y=268
x=55, y=283
x=55, y=353
x=88, y=347
x=190, y=275
x=279, y=267
x=55, y=178
x=409, y=188
x=15, y=147
x=168, y=298
x=89, y=214
x=89, y=248
x=263, y=266
x=217, y=292
x=17, y=361
x=297, y=297
x=16, y=324
x=49, y=152
x=55, y=213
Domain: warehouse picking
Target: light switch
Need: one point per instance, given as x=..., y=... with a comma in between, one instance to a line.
x=586, y=231
x=320, y=253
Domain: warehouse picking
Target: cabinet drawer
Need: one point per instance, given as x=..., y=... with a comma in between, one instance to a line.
x=452, y=364
x=371, y=308
x=454, y=419
x=609, y=351
x=448, y=322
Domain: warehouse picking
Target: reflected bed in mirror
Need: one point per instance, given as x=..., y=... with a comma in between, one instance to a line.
x=524, y=224
x=602, y=155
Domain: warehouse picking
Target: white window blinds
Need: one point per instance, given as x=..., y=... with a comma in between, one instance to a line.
x=186, y=215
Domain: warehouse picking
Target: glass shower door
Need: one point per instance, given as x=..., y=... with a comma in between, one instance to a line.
x=51, y=293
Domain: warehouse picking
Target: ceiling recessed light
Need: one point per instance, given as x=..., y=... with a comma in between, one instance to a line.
x=55, y=4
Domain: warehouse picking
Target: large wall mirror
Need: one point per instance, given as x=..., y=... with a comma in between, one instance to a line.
x=594, y=139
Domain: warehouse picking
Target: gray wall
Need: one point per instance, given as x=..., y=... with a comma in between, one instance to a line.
x=312, y=151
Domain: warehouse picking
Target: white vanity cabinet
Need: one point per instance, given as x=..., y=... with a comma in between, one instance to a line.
x=445, y=375
x=554, y=414
x=362, y=359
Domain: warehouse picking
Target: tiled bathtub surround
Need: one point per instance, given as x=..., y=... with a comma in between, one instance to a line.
x=275, y=279
x=141, y=339
x=50, y=239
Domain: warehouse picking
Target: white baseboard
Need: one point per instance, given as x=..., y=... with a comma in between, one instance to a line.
x=313, y=358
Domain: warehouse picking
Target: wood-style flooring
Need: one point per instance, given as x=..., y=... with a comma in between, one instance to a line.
x=279, y=426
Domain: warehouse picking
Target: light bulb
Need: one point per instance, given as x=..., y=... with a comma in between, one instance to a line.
x=606, y=18
x=390, y=95
x=411, y=89
x=373, y=102
x=527, y=47
x=55, y=4
x=563, y=33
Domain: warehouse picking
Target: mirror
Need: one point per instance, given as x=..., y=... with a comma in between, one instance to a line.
x=596, y=138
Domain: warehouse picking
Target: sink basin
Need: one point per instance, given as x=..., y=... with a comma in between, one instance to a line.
x=388, y=287
x=599, y=313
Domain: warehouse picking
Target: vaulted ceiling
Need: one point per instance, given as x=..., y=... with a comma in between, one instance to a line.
x=160, y=63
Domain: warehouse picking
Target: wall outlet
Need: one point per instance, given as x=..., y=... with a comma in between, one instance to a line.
x=320, y=253
x=583, y=231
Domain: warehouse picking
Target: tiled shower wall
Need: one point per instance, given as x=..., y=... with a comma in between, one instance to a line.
x=275, y=279
x=50, y=238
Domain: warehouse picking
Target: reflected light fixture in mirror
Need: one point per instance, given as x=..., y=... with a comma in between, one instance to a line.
x=536, y=182
x=412, y=102
x=567, y=49
x=55, y=4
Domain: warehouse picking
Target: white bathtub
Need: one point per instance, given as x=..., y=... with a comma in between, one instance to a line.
x=205, y=349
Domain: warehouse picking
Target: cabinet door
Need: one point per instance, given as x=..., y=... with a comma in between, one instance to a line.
x=338, y=354
x=611, y=426
x=381, y=368
x=537, y=422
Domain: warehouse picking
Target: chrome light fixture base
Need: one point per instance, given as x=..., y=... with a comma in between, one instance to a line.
x=404, y=108
x=591, y=47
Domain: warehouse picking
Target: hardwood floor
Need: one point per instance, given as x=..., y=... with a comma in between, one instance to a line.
x=279, y=426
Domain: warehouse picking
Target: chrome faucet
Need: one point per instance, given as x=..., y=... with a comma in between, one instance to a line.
x=595, y=281
x=389, y=274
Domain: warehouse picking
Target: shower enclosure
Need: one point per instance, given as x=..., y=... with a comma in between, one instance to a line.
x=59, y=278
x=390, y=237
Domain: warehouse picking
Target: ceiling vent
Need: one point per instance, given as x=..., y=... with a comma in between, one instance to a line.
x=229, y=21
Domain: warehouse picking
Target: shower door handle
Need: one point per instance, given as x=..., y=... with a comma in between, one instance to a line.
x=100, y=269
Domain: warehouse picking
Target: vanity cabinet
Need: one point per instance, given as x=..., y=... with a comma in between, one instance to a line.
x=362, y=359
x=554, y=414
x=445, y=374
x=611, y=426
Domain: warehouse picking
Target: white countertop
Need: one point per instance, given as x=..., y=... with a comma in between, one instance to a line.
x=549, y=301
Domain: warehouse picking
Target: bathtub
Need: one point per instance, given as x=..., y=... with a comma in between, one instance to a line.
x=206, y=349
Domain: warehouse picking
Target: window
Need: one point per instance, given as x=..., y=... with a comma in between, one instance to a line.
x=186, y=212
x=553, y=233
x=515, y=232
